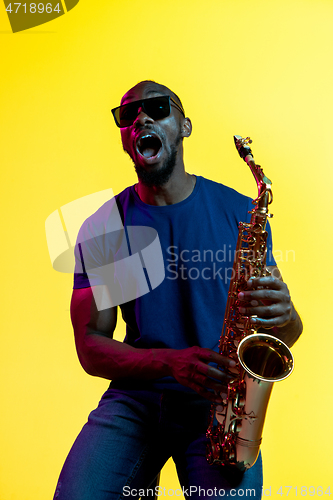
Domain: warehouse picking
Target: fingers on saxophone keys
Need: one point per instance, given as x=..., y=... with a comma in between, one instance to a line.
x=246, y=310
x=264, y=323
x=264, y=311
x=262, y=294
x=221, y=360
x=209, y=388
x=270, y=322
x=215, y=392
x=265, y=281
x=218, y=380
x=215, y=397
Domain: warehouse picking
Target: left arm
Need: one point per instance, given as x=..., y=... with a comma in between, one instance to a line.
x=269, y=300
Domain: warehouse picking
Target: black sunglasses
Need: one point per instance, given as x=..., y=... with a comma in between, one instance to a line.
x=155, y=107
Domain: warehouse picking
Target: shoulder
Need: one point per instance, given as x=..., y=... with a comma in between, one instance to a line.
x=220, y=194
x=106, y=219
x=123, y=197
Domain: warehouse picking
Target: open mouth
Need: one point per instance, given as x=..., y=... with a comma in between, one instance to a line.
x=149, y=145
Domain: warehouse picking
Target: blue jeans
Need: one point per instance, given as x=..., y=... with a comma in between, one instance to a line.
x=129, y=438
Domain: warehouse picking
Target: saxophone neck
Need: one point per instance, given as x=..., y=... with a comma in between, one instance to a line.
x=264, y=185
x=260, y=213
x=265, y=196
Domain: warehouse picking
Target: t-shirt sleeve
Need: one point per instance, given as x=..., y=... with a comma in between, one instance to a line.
x=89, y=257
x=100, y=242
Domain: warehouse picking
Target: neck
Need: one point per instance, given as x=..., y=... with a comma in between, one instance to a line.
x=178, y=188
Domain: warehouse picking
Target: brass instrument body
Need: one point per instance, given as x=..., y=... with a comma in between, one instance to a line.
x=235, y=426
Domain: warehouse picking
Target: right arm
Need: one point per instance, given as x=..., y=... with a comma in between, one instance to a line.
x=102, y=356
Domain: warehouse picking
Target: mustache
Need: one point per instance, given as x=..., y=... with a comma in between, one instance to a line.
x=151, y=128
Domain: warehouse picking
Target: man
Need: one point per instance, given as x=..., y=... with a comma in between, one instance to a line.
x=164, y=376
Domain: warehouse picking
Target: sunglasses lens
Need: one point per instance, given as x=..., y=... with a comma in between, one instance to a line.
x=126, y=114
x=157, y=108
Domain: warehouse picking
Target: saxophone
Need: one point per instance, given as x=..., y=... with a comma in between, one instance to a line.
x=235, y=426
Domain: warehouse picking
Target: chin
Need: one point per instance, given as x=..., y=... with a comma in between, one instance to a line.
x=158, y=175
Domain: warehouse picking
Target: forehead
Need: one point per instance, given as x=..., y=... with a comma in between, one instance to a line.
x=143, y=91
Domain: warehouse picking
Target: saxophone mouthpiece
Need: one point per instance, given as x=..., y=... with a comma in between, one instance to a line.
x=242, y=146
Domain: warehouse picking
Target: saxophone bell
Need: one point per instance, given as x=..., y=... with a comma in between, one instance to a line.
x=265, y=357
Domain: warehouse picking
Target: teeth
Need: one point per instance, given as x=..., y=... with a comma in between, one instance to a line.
x=149, y=145
x=144, y=138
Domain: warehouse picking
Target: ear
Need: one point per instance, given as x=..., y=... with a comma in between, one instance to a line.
x=186, y=127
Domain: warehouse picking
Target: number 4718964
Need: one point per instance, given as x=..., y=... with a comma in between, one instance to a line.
x=33, y=8
x=304, y=490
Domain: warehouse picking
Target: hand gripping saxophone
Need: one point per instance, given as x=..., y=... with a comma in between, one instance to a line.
x=235, y=427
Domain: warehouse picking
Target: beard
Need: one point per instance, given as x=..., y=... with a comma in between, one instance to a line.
x=161, y=176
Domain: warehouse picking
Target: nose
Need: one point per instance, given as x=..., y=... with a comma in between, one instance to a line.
x=142, y=118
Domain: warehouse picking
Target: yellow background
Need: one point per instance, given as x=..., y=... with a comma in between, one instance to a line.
x=260, y=68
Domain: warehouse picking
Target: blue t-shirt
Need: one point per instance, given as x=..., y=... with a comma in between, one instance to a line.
x=198, y=239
